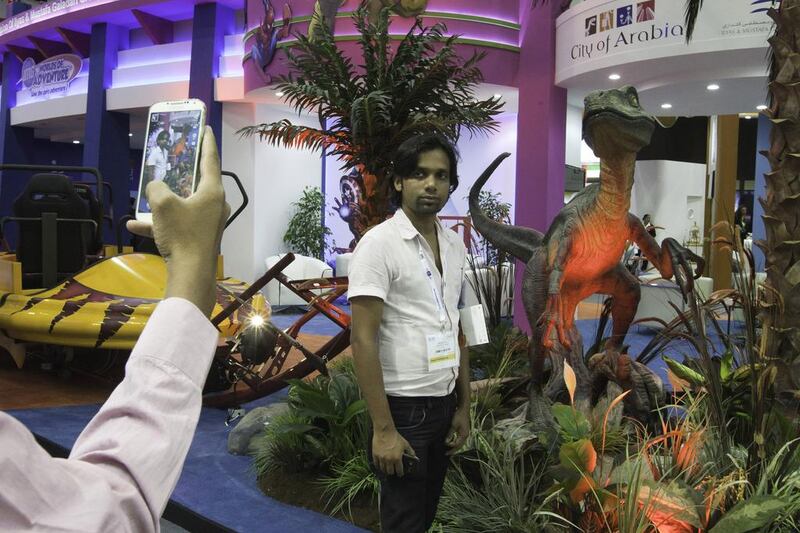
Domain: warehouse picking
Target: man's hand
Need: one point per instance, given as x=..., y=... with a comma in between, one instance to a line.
x=459, y=430
x=387, y=452
x=188, y=231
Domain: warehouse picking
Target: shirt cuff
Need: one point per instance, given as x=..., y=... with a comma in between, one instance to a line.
x=179, y=334
x=365, y=290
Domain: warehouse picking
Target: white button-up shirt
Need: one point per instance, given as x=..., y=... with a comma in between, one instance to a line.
x=386, y=265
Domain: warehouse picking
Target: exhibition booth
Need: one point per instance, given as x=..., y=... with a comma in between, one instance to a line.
x=79, y=78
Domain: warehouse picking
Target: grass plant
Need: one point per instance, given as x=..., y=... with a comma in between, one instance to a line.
x=347, y=481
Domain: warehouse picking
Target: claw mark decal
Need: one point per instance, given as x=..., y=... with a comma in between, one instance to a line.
x=116, y=316
x=73, y=306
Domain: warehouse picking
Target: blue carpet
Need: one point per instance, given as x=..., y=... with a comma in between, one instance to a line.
x=639, y=336
x=319, y=325
x=213, y=483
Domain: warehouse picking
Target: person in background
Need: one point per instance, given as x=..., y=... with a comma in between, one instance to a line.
x=405, y=285
x=742, y=220
x=651, y=229
x=126, y=462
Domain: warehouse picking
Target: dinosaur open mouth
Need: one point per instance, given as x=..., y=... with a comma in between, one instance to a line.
x=602, y=113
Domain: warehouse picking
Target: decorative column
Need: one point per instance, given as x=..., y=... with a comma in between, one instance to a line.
x=210, y=25
x=106, y=141
x=724, y=194
x=16, y=142
x=541, y=130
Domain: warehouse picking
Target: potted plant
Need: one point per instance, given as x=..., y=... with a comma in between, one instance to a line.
x=305, y=234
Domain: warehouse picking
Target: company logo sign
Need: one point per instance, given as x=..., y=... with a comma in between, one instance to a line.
x=634, y=25
x=52, y=76
x=608, y=20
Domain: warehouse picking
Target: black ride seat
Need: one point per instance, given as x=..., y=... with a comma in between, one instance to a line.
x=52, y=193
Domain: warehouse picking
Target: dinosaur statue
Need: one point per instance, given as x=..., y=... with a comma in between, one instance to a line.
x=580, y=256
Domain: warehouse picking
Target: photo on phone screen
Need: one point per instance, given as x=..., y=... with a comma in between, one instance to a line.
x=170, y=152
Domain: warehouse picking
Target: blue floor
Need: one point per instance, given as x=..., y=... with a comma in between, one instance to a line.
x=221, y=486
x=319, y=325
x=214, y=483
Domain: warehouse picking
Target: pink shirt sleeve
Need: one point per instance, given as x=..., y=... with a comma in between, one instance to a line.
x=127, y=460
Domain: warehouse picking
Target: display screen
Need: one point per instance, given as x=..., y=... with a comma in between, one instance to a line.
x=170, y=152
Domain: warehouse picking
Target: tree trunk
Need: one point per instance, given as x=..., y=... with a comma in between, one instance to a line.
x=375, y=205
x=781, y=202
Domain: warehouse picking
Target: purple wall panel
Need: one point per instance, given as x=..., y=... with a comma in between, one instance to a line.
x=541, y=132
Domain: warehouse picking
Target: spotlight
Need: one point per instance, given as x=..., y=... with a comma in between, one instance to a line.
x=748, y=117
x=713, y=87
x=762, y=107
x=279, y=94
x=498, y=95
x=76, y=141
x=256, y=321
x=614, y=77
x=666, y=106
x=130, y=135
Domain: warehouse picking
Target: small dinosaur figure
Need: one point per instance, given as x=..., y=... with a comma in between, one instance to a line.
x=580, y=254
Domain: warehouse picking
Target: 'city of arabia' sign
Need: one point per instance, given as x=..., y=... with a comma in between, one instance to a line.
x=602, y=33
x=50, y=77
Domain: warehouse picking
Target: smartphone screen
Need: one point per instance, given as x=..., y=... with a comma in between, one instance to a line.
x=170, y=152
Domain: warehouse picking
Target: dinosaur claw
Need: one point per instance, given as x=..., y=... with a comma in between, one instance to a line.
x=681, y=259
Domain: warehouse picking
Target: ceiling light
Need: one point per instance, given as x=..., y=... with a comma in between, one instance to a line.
x=748, y=117
x=666, y=106
x=279, y=94
x=130, y=135
x=713, y=87
x=614, y=77
x=498, y=95
x=762, y=107
x=76, y=141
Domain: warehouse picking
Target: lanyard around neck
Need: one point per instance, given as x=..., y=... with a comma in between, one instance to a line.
x=437, y=294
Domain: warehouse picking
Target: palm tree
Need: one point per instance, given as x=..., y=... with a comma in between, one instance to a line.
x=781, y=201
x=367, y=111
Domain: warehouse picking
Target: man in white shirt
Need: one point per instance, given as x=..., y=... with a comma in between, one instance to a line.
x=405, y=284
x=158, y=158
x=126, y=462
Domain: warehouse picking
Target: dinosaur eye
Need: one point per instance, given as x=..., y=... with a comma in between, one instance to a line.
x=634, y=100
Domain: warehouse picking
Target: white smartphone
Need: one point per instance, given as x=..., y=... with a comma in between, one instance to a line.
x=171, y=149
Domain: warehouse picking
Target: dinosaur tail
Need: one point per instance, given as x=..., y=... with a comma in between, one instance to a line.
x=515, y=240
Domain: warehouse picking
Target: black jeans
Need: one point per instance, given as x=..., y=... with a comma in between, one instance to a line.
x=408, y=504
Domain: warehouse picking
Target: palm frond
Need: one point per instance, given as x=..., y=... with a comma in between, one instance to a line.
x=693, y=8
x=285, y=133
x=423, y=86
x=370, y=114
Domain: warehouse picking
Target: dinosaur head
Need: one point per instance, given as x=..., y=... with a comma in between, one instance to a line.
x=614, y=122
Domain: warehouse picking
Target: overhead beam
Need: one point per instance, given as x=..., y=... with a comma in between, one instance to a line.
x=49, y=48
x=78, y=41
x=24, y=53
x=160, y=30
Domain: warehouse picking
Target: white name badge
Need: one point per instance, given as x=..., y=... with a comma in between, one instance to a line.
x=441, y=351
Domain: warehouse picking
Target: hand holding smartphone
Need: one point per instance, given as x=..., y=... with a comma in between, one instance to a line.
x=171, y=151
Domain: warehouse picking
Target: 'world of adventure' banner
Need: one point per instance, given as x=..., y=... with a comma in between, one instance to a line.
x=50, y=77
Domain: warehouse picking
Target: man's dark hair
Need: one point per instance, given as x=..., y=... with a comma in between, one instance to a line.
x=406, y=158
x=162, y=135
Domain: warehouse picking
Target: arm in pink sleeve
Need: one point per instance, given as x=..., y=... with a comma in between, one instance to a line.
x=127, y=460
